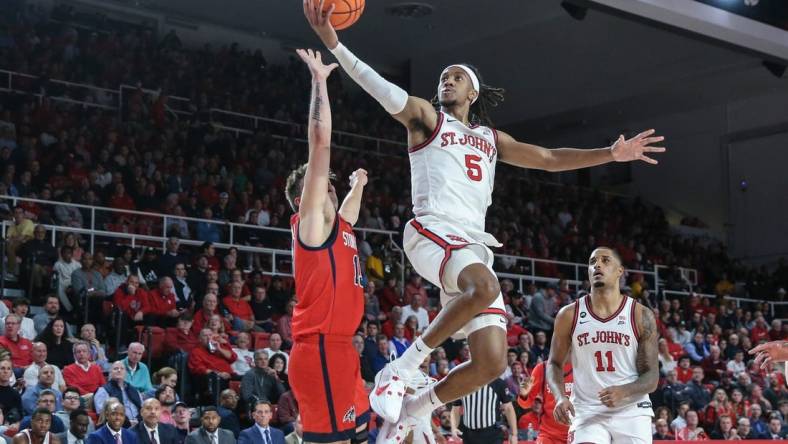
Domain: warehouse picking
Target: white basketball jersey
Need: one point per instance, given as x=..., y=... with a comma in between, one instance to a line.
x=604, y=354
x=453, y=172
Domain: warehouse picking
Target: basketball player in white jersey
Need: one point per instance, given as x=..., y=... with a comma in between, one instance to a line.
x=612, y=341
x=453, y=154
x=38, y=433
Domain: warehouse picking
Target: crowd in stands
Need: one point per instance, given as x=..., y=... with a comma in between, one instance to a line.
x=76, y=344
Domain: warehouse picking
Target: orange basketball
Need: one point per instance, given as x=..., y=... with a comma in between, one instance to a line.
x=346, y=12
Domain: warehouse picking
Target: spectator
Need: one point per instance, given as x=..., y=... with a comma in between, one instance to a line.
x=261, y=382
x=541, y=350
x=39, y=354
x=245, y=359
x=211, y=357
x=277, y=362
x=228, y=402
x=733, y=347
x=737, y=365
x=210, y=433
x=776, y=431
x=98, y=353
x=395, y=317
x=398, y=343
x=118, y=276
x=261, y=432
x=539, y=318
x=691, y=432
x=210, y=307
x=58, y=342
x=725, y=431
x=297, y=435
x=151, y=429
x=78, y=428
x=118, y=388
x=46, y=379
x=113, y=432
x=416, y=309
x=697, y=350
x=697, y=393
x=147, y=269
x=744, y=430
x=181, y=414
x=275, y=345
x=137, y=372
x=713, y=366
x=89, y=282
x=20, y=231
x=73, y=403
x=183, y=292
x=166, y=396
x=391, y=296
x=663, y=431
x=51, y=311
x=182, y=338
x=38, y=256
x=19, y=347
x=170, y=258
x=380, y=357
x=665, y=359
x=64, y=268
x=20, y=307
x=286, y=411
x=86, y=376
x=413, y=287
x=9, y=395
x=130, y=297
x=160, y=305
x=240, y=310
x=366, y=370
x=46, y=400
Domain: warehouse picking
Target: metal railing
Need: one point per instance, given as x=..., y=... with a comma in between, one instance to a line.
x=739, y=302
x=103, y=217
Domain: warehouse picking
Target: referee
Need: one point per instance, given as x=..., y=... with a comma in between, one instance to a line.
x=481, y=413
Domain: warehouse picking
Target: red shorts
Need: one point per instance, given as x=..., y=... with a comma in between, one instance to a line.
x=325, y=375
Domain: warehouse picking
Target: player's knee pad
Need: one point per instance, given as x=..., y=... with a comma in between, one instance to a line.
x=361, y=437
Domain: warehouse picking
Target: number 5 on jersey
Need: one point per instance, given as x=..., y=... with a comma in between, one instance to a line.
x=474, y=169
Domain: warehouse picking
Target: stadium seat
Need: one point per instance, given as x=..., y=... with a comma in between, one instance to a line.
x=155, y=347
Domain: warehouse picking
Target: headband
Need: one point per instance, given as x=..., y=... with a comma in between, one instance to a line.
x=469, y=72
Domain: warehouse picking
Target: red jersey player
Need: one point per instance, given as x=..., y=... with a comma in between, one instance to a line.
x=550, y=430
x=324, y=366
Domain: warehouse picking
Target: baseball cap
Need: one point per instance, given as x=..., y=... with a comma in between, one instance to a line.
x=179, y=404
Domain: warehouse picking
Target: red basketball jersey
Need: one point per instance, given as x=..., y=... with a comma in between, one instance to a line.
x=328, y=283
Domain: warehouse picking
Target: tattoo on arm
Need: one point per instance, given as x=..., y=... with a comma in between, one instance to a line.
x=316, y=103
x=647, y=362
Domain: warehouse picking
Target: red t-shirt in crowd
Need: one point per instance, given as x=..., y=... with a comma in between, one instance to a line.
x=157, y=304
x=238, y=308
x=202, y=361
x=20, y=350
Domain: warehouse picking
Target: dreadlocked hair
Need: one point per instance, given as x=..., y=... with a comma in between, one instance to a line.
x=489, y=97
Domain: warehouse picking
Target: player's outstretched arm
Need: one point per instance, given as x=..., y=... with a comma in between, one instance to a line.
x=394, y=99
x=560, y=348
x=314, y=228
x=526, y=155
x=647, y=363
x=352, y=203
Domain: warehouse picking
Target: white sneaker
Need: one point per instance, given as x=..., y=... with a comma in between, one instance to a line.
x=395, y=432
x=422, y=433
x=391, y=386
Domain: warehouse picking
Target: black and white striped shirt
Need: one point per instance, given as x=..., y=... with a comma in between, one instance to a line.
x=481, y=409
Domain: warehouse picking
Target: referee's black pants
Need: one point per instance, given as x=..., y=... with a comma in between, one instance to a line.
x=487, y=435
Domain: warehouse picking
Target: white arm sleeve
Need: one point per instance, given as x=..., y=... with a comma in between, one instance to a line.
x=392, y=97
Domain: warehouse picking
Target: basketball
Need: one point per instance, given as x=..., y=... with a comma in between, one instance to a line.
x=346, y=12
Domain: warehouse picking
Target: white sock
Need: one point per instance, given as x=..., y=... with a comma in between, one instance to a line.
x=423, y=403
x=413, y=356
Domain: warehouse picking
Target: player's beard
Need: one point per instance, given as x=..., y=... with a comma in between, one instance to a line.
x=599, y=284
x=450, y=103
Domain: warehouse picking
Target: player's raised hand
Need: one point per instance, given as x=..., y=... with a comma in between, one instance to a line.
x=775, y=351
x=359, y=177
x=637, y=148
x=612, y=396
x=564, y=411
x=314, y=61
x=320, y=21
